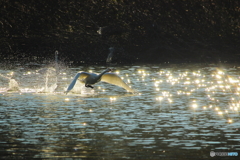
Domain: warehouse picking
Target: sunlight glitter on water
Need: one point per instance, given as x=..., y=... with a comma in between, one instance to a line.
x=178, y=108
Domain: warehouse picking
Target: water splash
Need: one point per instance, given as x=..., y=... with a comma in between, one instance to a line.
x=50, y=80
x=80, y=88
x=51, y=74
x=13, y=86
x=12, y=83
x=44, y=80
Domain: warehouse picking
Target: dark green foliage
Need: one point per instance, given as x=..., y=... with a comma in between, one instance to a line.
x=149, y=30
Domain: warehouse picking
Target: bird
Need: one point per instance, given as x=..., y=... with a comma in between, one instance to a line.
x=90, y=79
x=110, y=55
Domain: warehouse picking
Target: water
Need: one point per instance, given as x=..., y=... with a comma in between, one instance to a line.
x=179, y=112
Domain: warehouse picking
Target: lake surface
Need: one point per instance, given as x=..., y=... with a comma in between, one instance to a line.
x=181, y=111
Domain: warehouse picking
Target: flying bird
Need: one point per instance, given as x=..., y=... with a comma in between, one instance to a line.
x=90, y=79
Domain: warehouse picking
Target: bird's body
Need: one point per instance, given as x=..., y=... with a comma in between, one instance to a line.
x=90, y=79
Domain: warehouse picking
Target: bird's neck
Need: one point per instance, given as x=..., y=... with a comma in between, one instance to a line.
x=100, y=75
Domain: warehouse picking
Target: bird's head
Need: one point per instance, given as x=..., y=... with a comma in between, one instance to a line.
x=111, y=49
x=109, y=70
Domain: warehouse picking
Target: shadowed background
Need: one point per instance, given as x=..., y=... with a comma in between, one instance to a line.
x=143, y=31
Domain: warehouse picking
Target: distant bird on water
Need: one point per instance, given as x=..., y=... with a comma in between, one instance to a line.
x=90, y=79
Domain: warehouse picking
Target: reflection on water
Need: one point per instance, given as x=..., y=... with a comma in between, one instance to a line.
x=180, y=112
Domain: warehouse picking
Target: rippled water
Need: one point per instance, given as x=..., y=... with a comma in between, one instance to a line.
x=179, y=112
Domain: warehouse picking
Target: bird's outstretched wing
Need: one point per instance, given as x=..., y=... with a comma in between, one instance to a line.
x=114, y=79
x=81, y=75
